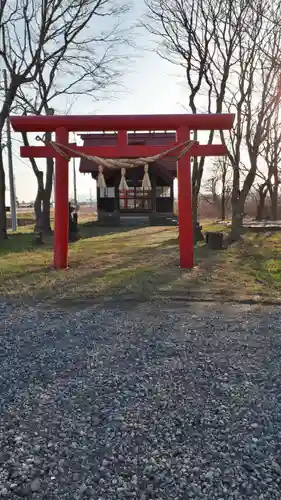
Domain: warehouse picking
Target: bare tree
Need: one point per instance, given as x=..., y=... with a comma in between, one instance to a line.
x=219, y=185
x=254, y=95
x=49, y=46
x=96, y=73
x=185, y=39
x=201, y=37
x=237, y=46
x=223, y=173
x=262, y=191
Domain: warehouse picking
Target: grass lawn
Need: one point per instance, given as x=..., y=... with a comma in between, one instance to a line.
x=141, y=264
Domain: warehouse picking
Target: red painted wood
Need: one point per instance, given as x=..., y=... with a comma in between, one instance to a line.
x=88, y=123
x=125, y=152
x=122, y=142
x=122, y=138
x=61, y=205
x=185, y=205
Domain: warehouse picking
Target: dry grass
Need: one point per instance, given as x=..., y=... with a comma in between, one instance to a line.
x=140, y=264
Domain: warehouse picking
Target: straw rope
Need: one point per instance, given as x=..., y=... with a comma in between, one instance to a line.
x=146, y=184
x=101, y=180
x=123, y=186
x=122, y=162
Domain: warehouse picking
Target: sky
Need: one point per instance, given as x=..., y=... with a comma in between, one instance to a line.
x=153, y=86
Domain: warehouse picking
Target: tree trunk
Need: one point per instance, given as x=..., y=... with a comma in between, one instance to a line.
x=196, y=177
x=261, y=203
x=223, y=204
x=238, y=197
x=3, y=215
x=260, y=207
x=38, y=210
x=43, y=199
x=274, y=202
x=237, y=218
x=223, y=191
x=236, y=223
x=46, y=218
x=42, y=211
x=39, y=201
x=238, y=203
x=44, y=192
x=196, y=183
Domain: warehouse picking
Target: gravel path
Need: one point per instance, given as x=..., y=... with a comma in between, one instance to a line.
x=109, y=405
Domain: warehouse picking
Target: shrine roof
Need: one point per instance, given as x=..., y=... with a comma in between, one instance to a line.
x=134, y=138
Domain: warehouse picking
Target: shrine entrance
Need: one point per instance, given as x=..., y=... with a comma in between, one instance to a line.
x=135, y=199
x=123, y=156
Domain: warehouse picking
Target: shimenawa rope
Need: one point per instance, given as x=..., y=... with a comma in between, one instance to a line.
x=122, y=163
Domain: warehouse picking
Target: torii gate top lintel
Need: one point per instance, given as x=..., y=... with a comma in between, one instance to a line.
x=99, y=123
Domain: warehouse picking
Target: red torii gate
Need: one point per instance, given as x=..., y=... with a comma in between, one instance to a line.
x=62, y=125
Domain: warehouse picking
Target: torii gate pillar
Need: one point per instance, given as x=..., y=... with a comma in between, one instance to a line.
x=186, y=237
x=61, y=204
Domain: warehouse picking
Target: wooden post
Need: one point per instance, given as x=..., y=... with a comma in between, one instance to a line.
x=185, y=205
x=122, y=140
x=61, y=204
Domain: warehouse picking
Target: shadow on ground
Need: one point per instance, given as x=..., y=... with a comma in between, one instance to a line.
x=128, y=266
x=25, y=241
x=153, y=275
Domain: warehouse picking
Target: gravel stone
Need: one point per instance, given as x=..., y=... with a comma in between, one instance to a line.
x=35, y=485
x=147, y=403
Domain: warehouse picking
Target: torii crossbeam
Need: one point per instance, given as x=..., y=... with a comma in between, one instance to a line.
x=62, y=125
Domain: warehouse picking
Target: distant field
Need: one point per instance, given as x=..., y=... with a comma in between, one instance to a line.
x=25, y=216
